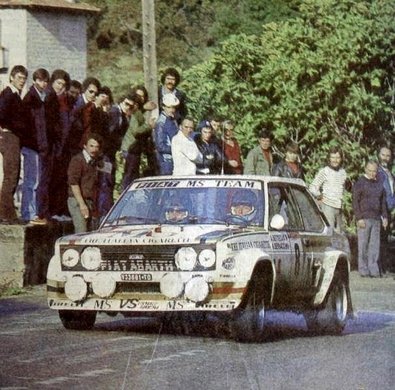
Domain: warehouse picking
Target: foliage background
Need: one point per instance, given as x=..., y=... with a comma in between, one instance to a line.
x=318, y=72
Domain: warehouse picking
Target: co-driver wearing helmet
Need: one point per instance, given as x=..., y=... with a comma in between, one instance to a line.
x=243, y=205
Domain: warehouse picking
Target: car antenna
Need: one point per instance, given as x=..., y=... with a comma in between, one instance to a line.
x=223, y=149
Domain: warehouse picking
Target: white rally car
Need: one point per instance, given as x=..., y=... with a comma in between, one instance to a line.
x=228, y=245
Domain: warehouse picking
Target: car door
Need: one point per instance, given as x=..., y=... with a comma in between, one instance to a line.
x=314, y=236
x=287, y=244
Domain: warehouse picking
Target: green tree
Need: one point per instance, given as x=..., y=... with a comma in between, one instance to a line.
x=322, y=78
x=186, y=30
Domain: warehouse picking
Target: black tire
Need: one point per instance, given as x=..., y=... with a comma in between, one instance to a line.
x=248, y=324
x=332, y=318
x=77, y=319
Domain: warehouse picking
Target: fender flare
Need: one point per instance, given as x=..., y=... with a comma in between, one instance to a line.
x=264, y=276
x=334, y=261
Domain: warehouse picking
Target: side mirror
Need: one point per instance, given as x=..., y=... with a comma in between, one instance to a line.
x=277, y=222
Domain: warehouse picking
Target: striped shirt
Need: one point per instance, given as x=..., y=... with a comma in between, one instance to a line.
x=330, y=184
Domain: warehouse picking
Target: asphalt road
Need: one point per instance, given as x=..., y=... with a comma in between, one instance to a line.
x=36, y=352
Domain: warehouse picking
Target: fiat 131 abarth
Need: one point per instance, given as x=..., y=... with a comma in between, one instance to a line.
x=230, y=246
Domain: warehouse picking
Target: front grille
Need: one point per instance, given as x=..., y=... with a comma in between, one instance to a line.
x=138, y=258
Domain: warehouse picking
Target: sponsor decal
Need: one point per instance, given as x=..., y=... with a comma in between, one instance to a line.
x=61, y=303
x=128, y=303
x=148, y=306
x=175, y=305
x=223, y=183
x=136, y=277
x=238, y=246
x=228, y=263
x=217, y=305
x=280, y=241
x=131, y=240
x=138, y=305
x=157, y=184
x=237, y=183
x=138, y=265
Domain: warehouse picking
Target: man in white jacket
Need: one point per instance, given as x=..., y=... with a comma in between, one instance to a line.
x=184, y=150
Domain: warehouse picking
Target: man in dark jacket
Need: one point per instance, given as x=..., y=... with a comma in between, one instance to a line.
x=83, y=184
x=213, y=157
x=42, y=110
x=385, y=176
x=81, y=114
x=370, y=213
x=290, y=166
x=12, y=127
x=165, y=129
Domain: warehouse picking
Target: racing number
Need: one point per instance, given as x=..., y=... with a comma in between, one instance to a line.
x=297, y=260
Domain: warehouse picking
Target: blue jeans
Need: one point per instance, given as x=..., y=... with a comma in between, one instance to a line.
x=45, y=174
x=165, y=164
x=31, y=167
x=369, y=248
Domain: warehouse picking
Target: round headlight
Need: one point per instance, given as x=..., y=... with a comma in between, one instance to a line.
x=197, y=289
x=91, y=258
x=76, y=289
x=186, y=259
x=171, y=285
x=103, y=285
x=70, y=258
x=207, y=258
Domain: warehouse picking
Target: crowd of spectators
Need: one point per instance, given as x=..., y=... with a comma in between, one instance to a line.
x=73, y=135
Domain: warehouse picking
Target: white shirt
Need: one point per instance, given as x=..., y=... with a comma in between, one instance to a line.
x=330, y=183
x=185, y=155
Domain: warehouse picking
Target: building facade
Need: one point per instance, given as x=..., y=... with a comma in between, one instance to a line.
x=44, y=34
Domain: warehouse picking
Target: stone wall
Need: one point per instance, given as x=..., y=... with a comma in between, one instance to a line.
x=25, y=252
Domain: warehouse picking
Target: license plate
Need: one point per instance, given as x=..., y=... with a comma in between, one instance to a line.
x=136, y=277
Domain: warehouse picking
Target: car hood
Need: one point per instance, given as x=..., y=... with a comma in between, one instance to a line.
x=160, y=234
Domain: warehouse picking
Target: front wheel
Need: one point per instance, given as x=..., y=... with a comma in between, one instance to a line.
x=77, y=319
x=249, y=323
x=332, y=318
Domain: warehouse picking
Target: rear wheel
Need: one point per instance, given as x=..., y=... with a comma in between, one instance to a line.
x=77, y=319
x=249, y=323
x=332, y=318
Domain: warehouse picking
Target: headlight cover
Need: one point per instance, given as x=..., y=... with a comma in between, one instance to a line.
x=207, y=258
x=76, y=288
x=103, y=285
x=91, y=258
x=186, y=258
x=70, y=258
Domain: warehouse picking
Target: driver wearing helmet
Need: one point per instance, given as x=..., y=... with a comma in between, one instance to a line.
x=176, y=212
x=243, y=205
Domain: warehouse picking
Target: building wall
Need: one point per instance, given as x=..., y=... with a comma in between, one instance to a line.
x=13, y=37
x=38, y=39
x=57, y=41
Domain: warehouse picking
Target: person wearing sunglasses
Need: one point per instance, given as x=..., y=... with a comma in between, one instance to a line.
x=81, y=115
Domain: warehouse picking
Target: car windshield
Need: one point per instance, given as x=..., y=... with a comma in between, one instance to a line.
x=229, y=202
